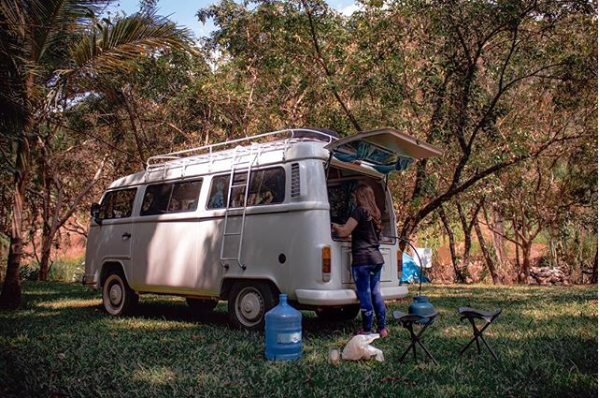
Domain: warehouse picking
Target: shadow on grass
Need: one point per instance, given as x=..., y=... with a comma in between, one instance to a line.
x=155, y=310
x=64, y=344
x=45, y=300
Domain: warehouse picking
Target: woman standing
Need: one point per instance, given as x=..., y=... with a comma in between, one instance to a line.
x=365, y=226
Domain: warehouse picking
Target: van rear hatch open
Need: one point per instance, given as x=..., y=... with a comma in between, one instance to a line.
x=385, y=150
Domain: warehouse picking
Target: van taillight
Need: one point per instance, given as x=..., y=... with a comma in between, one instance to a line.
x=399, y=263
x=326, y=263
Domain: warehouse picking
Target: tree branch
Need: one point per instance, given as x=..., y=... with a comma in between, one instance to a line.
x=455, y=190
x=328, y=72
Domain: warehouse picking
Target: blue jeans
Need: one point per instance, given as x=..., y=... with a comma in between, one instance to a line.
x=366, y=279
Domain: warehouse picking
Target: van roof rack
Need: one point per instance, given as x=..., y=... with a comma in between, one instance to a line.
x=209, y=153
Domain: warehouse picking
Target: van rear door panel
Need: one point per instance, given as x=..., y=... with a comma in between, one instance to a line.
x=387, y=272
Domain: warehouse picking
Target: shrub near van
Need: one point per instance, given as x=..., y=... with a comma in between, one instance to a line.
x=245, y=220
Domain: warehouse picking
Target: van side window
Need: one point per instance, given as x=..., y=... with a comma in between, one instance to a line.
x=117, y=204
x=266, y=187
x=219, y=189
x=171, y=198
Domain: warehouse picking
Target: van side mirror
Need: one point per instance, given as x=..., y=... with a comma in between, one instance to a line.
x=95, y=213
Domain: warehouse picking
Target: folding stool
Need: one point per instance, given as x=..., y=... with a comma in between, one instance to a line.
x=488, y=316
x=408, y=321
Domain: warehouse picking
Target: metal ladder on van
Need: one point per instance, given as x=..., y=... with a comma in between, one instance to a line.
x=252, y=157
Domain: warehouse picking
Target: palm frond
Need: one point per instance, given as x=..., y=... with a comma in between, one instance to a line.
x=53, y=18
x=38, y=24
x=112, y=46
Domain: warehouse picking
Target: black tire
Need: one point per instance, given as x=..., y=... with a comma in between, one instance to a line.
x=117, y=296
x=346, y=313
x=201, y=307
x=248, y=303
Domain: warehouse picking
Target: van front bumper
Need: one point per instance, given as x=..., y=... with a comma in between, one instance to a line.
x=344, y=296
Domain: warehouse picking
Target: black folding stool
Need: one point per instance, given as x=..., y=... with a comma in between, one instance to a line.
x=408, y=321
x=471, y=314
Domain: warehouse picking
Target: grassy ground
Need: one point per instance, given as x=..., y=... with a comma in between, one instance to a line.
x=62, y=344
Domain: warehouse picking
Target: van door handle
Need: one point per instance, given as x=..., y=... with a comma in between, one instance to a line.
x=126, y=236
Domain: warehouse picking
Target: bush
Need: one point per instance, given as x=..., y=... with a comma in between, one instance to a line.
x=67, y=270
x=30, y=272
x=62, y=270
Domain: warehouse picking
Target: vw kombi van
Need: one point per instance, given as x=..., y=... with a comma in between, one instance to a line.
x=245, y=220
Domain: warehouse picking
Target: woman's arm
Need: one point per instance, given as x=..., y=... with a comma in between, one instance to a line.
x=346, y=229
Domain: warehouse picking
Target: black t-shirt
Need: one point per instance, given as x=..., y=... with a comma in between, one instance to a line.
x=365, y=243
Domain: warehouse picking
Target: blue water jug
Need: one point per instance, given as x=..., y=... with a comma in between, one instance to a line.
x=283, y=332
x=421, y=306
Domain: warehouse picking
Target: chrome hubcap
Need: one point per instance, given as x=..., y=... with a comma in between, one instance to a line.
x=250, y=307
x=115, y=294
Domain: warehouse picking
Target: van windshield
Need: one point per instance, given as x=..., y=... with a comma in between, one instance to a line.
x=340, y=185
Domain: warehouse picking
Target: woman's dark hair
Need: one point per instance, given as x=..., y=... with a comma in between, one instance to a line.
x=366, y=198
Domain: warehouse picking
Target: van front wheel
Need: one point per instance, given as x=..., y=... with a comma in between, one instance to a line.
x=117, y=296
x=248, y=303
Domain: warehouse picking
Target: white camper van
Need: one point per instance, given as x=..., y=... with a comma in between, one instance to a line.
x=245, y=220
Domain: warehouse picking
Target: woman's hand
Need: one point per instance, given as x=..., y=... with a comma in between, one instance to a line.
x=346, y=229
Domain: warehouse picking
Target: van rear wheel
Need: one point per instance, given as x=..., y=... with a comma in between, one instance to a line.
x=345, y=313
x=248, y=303
x=117, y=296
x=201, y=306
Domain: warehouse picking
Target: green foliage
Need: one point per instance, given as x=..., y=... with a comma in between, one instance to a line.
x=29, y=272
x=113, y=44
x=68, y=270
x=495, y=84
x=62, y=343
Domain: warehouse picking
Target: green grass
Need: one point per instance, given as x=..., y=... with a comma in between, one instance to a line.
x=63, y=344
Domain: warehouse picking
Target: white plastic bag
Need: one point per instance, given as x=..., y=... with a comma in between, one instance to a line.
x=360, y=348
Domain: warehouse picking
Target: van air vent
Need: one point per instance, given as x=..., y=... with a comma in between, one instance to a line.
x=295, y=180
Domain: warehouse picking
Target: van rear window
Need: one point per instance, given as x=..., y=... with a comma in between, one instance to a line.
x=171, y=198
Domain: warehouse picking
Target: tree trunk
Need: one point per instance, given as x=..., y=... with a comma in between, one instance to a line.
x=486, y=254
x=527, y=246
x=47, y=239
x=581, y=240
x=47, y=198
x=11, y=290
x=553, y=255
x=136, y=133
x=517, y=267
x=498, y=230
x=458, y=276
x=467, y=235
x=594, y=278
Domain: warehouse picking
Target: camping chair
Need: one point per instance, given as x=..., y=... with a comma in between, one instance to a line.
x=471, y=314
x=408, y=321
